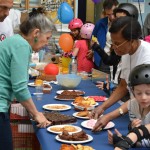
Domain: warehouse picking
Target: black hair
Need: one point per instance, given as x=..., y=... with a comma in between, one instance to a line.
x=108, y=4
x=130, y=28
x=35, y=11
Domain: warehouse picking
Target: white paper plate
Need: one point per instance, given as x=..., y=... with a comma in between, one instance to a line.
x=33, y=85
x=108, y=126
x=75, y=115
x=49, y=129
x=63, y=99
x=60, y=91
x=49, y=107
x=90, y=138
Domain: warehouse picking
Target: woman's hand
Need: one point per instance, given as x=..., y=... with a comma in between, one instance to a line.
x=96, y=112
x=42, y=121
x=101, y=123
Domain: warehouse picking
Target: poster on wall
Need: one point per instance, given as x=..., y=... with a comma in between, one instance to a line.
x=52, y=7
x=17, y=2
x=140, y=4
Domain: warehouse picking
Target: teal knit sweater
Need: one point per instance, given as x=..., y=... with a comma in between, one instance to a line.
x=15, y=53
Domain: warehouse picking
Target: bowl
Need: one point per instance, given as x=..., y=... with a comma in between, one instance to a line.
x=82, y=108
x=68, y=81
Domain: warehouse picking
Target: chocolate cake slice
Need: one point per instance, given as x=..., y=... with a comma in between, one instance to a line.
x=57, y=118
x=66, y=97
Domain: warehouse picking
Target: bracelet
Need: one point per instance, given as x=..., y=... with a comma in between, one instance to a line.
x=121, y=111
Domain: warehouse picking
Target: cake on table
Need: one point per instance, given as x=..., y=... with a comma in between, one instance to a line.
x=47, y=88
x=56, y=118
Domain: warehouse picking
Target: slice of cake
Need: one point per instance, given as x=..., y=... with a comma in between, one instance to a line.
x=47, y=88
x=57, y=118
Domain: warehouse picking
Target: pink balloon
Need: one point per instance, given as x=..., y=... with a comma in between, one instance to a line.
x=96, y=1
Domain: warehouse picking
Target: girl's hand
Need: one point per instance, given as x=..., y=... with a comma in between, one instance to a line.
x=110, y=135
x=89, y=54
x=100, y=85
x=117, y=148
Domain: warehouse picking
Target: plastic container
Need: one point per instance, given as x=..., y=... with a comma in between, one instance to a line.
x=73, y=66
x=68, y=81
x=39, y=92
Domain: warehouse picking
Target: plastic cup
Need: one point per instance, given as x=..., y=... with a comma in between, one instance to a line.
x=39, y=92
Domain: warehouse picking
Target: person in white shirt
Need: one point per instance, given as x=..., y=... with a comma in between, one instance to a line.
x=125, y=34
x=6, y=28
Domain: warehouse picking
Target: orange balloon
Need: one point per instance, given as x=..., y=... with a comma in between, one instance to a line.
x=51, y=69
x=66, y=42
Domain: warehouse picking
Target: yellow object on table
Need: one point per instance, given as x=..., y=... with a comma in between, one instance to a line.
x=64, y=64
x=66, y=61
x=38, y=82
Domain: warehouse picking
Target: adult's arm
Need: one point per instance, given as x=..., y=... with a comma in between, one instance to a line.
x=19, y=79
x=37, y=116
x=111, y=59
x=119, y=93
x=103, y=120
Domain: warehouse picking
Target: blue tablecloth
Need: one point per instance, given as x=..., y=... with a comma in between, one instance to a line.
x=47, y=140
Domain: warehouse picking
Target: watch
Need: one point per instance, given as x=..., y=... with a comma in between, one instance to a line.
x=121, y=112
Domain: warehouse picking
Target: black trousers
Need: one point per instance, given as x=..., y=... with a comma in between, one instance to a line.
x=5, y=132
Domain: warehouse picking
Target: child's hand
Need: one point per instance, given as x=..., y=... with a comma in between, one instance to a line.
x=100, y=85
x=136, y=123
x=89, y=54
x=117, y=148
x=110, y=136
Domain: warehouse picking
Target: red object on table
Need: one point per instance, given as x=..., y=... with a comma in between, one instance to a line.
x=51, y=69
x=99, y=98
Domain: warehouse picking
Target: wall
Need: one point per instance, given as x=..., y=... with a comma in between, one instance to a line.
x=90, y=11
x=25, y=3
x=93, y=11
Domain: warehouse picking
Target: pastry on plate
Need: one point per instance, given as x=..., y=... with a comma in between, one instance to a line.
x=83, y=113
